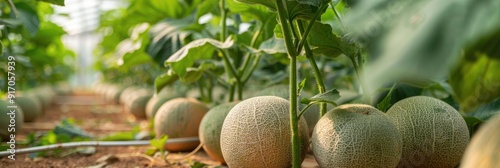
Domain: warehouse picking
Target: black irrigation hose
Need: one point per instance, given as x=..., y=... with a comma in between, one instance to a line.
x=172, y=141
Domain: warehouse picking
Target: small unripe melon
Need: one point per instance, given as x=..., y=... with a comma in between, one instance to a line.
x=31, y=106
x=356, y=135
x=484, y=148
x=45, y=95
x=434, y=133
x=256, y=133
x=136, y=105
x=17, y=122
x=113, y=93
x=210, y=130
x=177, y=118
x=127, y=92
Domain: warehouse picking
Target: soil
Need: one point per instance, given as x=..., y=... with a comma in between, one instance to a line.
x=99, y=118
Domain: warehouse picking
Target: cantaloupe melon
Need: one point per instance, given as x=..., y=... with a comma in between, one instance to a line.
x=256, y=133
x=484, y=148
x=5, y=120
x=311, y=115
x=434, y=133
x=136, y=105
x=126, y=93
x=31, y=106
x=45, y=95
x=112, y=94
x=356, y=135
x=210, y=129
x=177, y=118
x=159, y=99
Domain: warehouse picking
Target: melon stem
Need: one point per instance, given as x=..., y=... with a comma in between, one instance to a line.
x=285, y=27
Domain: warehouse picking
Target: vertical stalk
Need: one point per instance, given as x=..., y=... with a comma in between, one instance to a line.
x=317, y=73
x=227, y=64
x=222, y=5
x=285, y=27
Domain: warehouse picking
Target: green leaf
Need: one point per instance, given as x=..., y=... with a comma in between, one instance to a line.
x=1, y=48
x=198, y=165
x=473, y=124
x=159, y=143
x=201, y=49
x=397, y=93
x=66, y=127
x=48, y=33
x=328, y=97
x=476, y=80
x=486, y=111
x=324, y=42
x=55, y=2
x=194, y=74
x=165, y=80
x=417, y=35
x=28, y=16
x=301, y=85
x=271, y=46
x=168, y=36
x=120, y=136
x=249, y=12
x=315, y=3
x=134, y=59
x=296, y=9
x=386, y=102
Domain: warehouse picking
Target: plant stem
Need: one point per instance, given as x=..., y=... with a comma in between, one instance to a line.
x=285, y=27
x=222, y=5
x=317, y=73
x=232, y=74
x=308, y=29
x=337, y=15
x=231, y=92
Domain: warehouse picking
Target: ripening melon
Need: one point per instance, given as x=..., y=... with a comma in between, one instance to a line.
x=210, y=129
x=159, y=99
x=112, y=94
x=484, y=148
x=126, y=93
x=31, y=106
x=177, y=118
x=311, y=115
x=356, y=135
x=256, y=133
x=14, y=119
x=434, y=133
x=45, y=95
x=136, y=105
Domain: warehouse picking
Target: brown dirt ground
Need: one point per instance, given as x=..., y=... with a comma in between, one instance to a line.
x=100, y=118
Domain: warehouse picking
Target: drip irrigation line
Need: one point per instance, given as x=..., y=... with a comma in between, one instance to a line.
x=172, y=141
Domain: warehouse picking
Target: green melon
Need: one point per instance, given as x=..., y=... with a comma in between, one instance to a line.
x=5, y=120
x=136, y=104
x=434, y=133
x=256, y=133
x=356, y=135
x=178, y=118
x=210, y=129
x=112, y=94
x=45, y=96
x=484, y=148
x=126, y=93
x=31, y=106
x=159, y=99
